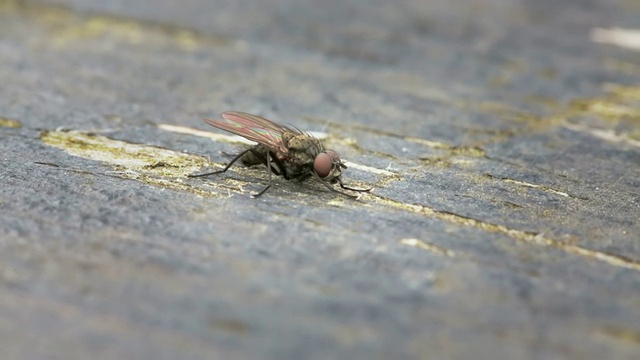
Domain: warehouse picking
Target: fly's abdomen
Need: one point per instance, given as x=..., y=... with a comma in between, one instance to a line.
x=257, y=156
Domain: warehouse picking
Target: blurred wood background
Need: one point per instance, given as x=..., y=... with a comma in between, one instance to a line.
x=502, y=139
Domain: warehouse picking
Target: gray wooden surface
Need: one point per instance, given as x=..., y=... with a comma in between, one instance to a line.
x=502, y=139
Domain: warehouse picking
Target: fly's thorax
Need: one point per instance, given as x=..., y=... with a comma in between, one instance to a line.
x=302, y=151
x=304, y=145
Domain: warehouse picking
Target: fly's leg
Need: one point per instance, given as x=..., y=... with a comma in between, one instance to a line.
x=328, y=186
x=269, y=169
x=342, y=185
x=225, y=168
x=303, y=177
x=279, y=169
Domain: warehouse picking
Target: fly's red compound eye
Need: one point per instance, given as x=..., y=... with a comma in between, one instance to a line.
x=323, y=164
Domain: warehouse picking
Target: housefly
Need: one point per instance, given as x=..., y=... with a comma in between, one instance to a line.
x=291, y=153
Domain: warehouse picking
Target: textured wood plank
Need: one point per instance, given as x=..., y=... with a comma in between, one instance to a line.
x=502, y=139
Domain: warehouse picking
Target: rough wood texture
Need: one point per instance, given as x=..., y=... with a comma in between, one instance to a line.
x=502, y=139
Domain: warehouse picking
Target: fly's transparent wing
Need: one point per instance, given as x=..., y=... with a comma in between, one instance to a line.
x=254, y=128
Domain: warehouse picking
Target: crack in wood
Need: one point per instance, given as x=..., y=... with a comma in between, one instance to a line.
x=420, y=244
x=535, y=186
x=519, y=235
x=606, y=135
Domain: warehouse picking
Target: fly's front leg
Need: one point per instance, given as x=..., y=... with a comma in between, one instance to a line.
x=328, y=186
x=342, y=185
x=303, y=177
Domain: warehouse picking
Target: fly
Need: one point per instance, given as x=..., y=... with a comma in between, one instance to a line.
x=290, y=153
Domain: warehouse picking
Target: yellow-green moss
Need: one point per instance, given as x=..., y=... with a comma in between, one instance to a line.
x=10, y=123
x=148, y=164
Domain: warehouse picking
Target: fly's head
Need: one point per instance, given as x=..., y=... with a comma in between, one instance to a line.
x=328, y=165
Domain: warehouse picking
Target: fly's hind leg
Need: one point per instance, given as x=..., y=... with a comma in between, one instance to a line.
x=236, y=158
